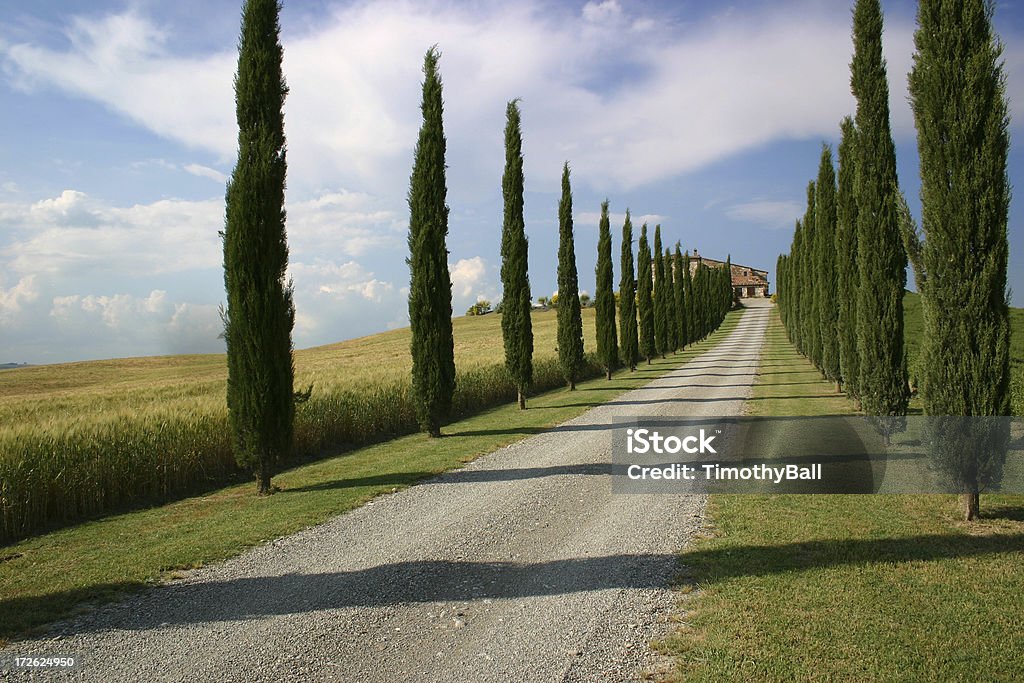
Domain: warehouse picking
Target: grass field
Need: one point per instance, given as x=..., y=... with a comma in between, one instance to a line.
x=81, y=439
x=48, y=576
x=848, y=587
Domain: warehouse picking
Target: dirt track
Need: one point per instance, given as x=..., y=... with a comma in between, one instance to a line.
x=520, y=567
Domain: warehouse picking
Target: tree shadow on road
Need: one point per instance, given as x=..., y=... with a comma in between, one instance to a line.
x=430, y=581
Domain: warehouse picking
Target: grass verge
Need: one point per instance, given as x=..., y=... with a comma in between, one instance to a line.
x=48, y=577
x=848, y=587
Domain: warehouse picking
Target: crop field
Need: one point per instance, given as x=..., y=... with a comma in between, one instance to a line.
x=81, y=439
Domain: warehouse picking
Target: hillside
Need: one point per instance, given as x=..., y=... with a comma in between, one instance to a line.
x=68, y=393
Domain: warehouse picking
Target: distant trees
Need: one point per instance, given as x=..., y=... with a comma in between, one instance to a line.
x=430, y=288
x=679, y=298
x=958, y=94
x=516, y=324
x=481, y=307
x=881, y=258
x=670, y=302
x=630, y=347
x=260, y=312
x=570, y=321
x=660, y=298
x=607, y=340
x=689, y=302
x=644, y=297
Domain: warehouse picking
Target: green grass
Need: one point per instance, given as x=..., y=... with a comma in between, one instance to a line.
x=47, y=577
x=848, y=587
x=82, y=439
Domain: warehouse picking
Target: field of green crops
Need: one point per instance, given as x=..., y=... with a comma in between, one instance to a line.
x=82, y=439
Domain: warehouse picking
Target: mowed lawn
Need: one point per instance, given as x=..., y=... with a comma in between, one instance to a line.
x=848, y=587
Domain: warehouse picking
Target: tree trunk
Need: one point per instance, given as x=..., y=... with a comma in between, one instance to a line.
x=572, y=385
x=434, y=431
x=969, y=503
x=609, y=373
x=263, y=478
x=522, y=399
x=839, y=387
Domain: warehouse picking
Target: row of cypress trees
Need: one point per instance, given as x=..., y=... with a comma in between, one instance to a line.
x=663, y=307
x=260, y=312
x=841, y=284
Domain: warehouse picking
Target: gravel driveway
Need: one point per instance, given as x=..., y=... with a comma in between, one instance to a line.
x=522, y=566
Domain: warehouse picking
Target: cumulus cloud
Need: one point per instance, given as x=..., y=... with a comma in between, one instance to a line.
x=123, y=324
x=767, y=213
x=83, y=273
x=472, y=280
x=14, y=298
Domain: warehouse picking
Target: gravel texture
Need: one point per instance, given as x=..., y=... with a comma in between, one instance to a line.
x=522, y=566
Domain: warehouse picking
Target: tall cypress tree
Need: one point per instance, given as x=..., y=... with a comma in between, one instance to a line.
x=661, y=334
x=679, y=296
x=880, y=255
x=260, y=312
x=644, y=297
x=604, y=304
x=811, y=333
x=627, y=299
x=670, y=302
x=430, y=287
x=570, y=321
x=516, y=325
x=796, y=287
x=825, y=228
x=958, y=94
x=689, y=301
x=847, y=270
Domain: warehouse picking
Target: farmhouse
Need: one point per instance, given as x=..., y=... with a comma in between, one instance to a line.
x=747, y=282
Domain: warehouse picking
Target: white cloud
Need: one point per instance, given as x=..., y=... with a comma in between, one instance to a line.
x=14, y=298
x=123, y=324
x=206, y=172
x=593, y=219
x=75, y=234
x=472, y=280
x=685, y=96
x=771, y=214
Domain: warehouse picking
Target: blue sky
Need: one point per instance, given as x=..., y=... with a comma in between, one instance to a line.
x=118, y=134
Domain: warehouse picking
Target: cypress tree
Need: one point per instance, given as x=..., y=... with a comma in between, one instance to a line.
x=958, y=95
x=670, y=301
x=880, y=255
x=810, y=332
x=825, y=228
x=644, y=297
x=516, y=325
x=260, y=312
x=661, y=323
x=848, y=272
x=604, y=304
x=796, y=287
x=780, y=288
x=627, y=299
x=679, y=297
x=689, y=304
x=570, y=321
x=430, y=287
